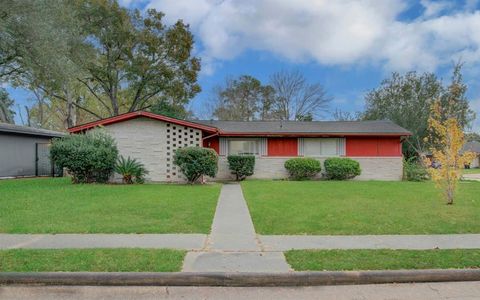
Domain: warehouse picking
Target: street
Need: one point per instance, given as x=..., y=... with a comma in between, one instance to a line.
x=423, y=291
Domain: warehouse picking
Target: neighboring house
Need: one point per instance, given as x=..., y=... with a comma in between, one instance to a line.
x=24, y=151
x=474, y=147
x=153, y=139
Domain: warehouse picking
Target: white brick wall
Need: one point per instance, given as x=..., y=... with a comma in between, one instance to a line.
x=153, y=143
x=373, y=168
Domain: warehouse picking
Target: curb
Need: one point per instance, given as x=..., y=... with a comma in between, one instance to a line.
x=238, y=279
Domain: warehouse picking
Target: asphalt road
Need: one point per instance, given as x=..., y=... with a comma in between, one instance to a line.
x=424, y=291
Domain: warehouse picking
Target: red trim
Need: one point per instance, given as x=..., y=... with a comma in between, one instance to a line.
x=137, y=114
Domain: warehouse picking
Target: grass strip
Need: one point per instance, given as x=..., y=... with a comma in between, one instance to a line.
x=91, y=260
x=343, y=260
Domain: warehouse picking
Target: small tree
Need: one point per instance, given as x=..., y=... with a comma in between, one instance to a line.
x=195, y=162
x=241, y=165
x=447, y=140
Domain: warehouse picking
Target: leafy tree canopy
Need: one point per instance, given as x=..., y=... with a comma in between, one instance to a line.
x=406, y=100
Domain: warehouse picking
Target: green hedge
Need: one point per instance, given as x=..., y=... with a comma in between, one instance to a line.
x=88, y=157
x=241, y=165
x=302, y=167
x=340, y=168
x=195, y=162
x=414, y=170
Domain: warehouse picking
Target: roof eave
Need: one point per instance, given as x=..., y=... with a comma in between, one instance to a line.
x=134, y=115
x=313, y=134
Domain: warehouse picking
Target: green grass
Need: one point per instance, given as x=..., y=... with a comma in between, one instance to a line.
x=91, y=260
x=471, y=171
x=57, y=206
x=338, y=260
x=355, y=207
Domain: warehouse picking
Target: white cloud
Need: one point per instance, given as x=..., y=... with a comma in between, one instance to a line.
x=340, y=32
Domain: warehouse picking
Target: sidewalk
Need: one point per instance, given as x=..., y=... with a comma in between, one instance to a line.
x=232, y=244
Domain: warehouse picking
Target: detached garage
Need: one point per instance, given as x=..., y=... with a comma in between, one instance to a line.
x=24, y=151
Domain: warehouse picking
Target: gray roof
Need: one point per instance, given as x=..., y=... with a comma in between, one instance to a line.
x=473, y=146
x=25, y=130
x=314, y=127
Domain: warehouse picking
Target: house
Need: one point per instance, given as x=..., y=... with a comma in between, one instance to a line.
x=474, y=147
x=152, y=139
x=24, y=151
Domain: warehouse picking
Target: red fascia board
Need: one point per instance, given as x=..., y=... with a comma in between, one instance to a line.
x=133, y=115
x=307, y=134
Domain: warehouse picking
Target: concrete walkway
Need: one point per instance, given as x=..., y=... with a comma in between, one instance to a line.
x=63, y=241
x=475, y=177
x=418, y=242
x=232, y=245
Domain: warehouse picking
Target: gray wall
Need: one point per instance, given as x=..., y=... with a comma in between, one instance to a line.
x=17, y=154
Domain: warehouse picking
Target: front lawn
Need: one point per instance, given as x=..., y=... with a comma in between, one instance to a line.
x=339, y=260
x=471, y=171
x=356, y=207
x=49, y=205
x=91, y=260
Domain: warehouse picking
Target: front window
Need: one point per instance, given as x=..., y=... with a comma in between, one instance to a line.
x=243, y=147
x=321, y=147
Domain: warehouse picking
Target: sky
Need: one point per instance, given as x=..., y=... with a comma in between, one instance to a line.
x=348, y=46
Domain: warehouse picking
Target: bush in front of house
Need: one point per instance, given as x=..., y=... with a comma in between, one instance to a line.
x=301, y=168
x=88, y=157
x=341, y=168
x=131, y=170
x=195, y=162
x=241, y=165
x=414, y=170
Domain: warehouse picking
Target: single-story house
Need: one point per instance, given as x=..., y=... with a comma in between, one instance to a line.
x=152, y=139
x=25, y=151
x=474, y=147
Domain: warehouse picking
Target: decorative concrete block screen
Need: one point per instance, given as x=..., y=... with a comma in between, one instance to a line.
x=179, y=137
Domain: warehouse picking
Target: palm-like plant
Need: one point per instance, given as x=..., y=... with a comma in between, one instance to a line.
x=131, y=170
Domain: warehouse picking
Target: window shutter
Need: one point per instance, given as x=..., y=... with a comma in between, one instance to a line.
x=341, y=146
x=301, y=147
x=223, y=146
x=263, y=147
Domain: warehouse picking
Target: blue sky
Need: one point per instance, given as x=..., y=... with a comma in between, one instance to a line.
x=347, y=45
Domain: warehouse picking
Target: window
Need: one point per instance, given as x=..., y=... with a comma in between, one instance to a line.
x=321, y=147
x=243, y=147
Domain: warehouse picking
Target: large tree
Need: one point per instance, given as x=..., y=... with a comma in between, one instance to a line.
x=244, y=99
x=295, y=98
x=90, y=59
x=138, y=60
x=6, y=107
x=406, y=100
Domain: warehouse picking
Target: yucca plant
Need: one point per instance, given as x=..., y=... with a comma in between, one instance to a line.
x=131, y=170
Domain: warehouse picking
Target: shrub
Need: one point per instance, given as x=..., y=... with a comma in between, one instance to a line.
x=131, y=170
x=241, y=165
x=302, y=167
x=414, y=171
x=196, y=161
x=341, y=168
x=88, y=157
